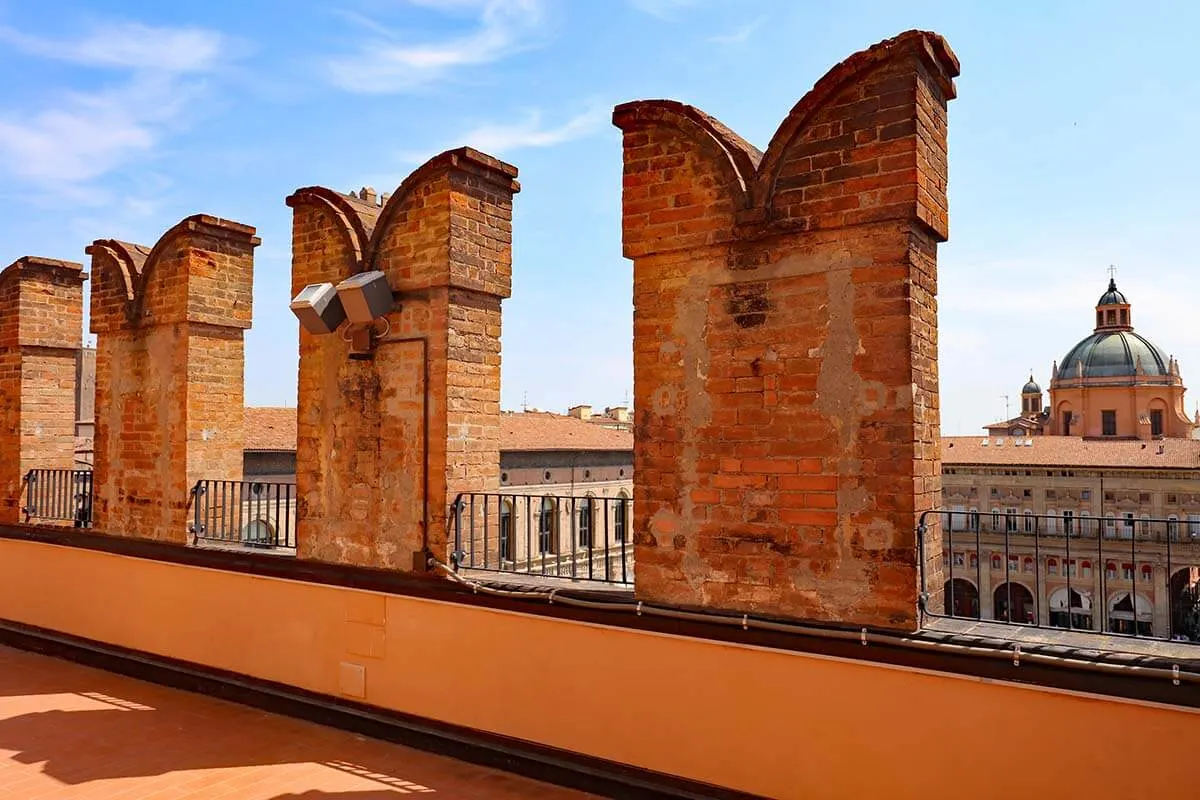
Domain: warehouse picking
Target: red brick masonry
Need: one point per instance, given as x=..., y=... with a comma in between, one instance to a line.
x=785, y=341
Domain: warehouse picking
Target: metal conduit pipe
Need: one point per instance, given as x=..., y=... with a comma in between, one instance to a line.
x=747, y=622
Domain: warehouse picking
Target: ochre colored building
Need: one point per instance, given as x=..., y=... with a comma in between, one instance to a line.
x=1114, y=384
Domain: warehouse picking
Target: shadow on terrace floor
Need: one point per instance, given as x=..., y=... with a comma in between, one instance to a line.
x=72, y=725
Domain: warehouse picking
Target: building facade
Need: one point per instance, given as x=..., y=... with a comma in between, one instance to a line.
x=562, y=508
x=1083, y=512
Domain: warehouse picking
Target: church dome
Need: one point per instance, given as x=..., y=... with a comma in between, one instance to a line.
x=1112, y=297
x=1031, y=387
x=1112, y=354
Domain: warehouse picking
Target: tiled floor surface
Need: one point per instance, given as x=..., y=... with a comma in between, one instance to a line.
x=68, y=731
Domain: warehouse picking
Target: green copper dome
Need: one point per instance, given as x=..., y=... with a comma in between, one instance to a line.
x=1113, y=354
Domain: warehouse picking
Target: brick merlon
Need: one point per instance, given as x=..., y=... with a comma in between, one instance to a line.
x=37, y=266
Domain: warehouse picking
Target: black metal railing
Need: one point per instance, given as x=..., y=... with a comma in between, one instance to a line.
x=1115, y=574
x=582, y=537
x=248, y=513
x=63, y=495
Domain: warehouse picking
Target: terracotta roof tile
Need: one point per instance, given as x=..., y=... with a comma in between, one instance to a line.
x=1071, y=451
x=270, y=428
x=274, y=429
x=536, y=430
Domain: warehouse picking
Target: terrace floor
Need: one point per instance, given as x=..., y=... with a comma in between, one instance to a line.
x=69, y=731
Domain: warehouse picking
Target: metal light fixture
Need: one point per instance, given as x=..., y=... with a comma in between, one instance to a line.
x=319, y=308
x=365, y=297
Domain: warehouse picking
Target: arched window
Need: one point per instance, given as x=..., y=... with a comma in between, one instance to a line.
x=546, y=527
x=1051, y=566
x=997, y=564
x=1027, y=565
x=1110, y=570
x=1147, y=572
x=621, y=516
x=974, y=561
x=507, y=545
x=584, y=526
x=1087, y=569
x=1029, y=521
x=1127, y=571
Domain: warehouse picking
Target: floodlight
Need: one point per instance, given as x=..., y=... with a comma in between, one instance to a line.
x=318, y=308
x=365, y=297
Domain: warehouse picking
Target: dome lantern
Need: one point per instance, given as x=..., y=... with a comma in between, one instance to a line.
x=1031, y=398
x=1113, y=311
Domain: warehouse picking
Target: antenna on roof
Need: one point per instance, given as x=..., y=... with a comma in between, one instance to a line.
x=525, y=401
x=1005, y=405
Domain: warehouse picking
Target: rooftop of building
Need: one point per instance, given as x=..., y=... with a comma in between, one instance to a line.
x=273, y=429
x=542, y=431
x=1070, y=451
x=270, y=429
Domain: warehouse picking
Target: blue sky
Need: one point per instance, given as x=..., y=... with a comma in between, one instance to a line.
x=1071, y=147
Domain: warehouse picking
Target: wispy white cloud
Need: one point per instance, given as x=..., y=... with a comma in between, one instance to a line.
x=740, y=35
x=388, y=62
x=531, y=132
x=663, y=9
x=127, y=46
x=76, y=137
x=500, y=138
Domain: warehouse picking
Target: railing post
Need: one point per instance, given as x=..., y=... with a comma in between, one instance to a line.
x=923, y=597
x=197, y=522
x=457, y=556
x=30, y=480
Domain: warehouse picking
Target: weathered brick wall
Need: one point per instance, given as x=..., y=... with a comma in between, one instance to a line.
x=785, y=343
x=41, y=325
x=374, y=480
x=169, y=371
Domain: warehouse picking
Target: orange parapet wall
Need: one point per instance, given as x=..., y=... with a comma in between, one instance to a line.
x=785, y=337
x=778, y=724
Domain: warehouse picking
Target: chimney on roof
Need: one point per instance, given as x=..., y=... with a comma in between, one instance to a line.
x=367, y=194
x=617, y=413
x=580, y=412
